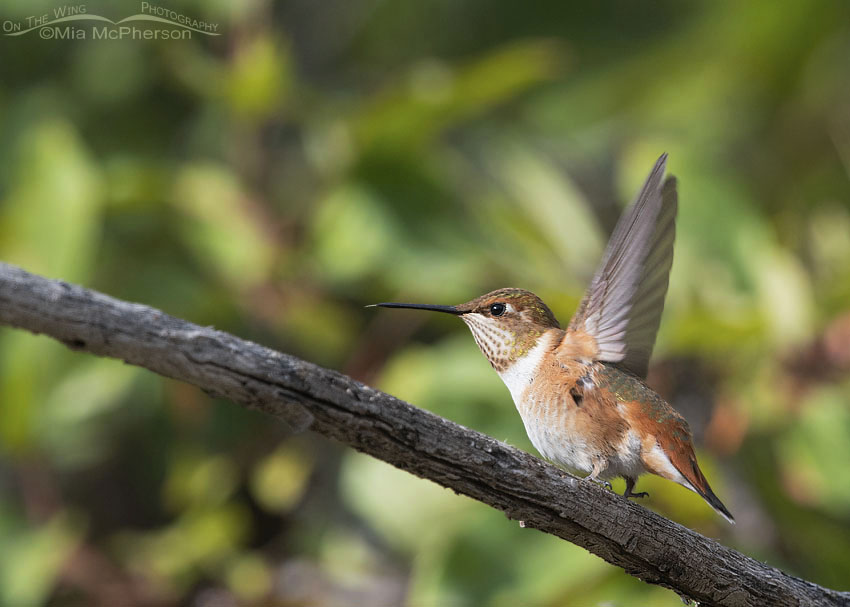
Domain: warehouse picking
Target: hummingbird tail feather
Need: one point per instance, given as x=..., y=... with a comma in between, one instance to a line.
x=695, y=481
x=714, y=502
x=703, y=489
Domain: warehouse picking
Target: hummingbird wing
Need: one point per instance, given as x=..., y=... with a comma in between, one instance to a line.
x=622, y=307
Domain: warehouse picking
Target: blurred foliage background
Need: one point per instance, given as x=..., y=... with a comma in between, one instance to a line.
x=319, y=156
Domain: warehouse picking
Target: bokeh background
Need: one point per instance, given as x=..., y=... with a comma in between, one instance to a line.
x=319, y=156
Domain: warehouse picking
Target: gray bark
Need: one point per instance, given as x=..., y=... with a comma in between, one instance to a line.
x=306, y=396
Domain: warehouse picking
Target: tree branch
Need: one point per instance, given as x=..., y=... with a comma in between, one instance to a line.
x=303, y=395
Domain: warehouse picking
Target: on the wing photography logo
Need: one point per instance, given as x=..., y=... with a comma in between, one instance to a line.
x=75, y=22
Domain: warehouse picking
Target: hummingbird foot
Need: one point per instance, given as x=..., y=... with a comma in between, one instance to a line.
x=630, y=484
x=602, y=483
x=597, y=469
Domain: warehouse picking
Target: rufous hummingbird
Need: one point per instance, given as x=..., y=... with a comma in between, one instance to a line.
x=581, y=391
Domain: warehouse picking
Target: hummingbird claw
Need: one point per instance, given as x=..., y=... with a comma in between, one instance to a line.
x=630, y=484
x=605, y=484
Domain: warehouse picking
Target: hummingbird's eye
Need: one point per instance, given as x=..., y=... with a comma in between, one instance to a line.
x=497, y=309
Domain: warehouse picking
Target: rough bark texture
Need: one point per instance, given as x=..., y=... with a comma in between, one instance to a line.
x=304, y=396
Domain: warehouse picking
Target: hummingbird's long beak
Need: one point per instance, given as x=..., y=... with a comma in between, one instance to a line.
x=447, y=309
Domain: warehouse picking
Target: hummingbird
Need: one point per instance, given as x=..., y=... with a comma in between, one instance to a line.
x=581, y=392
